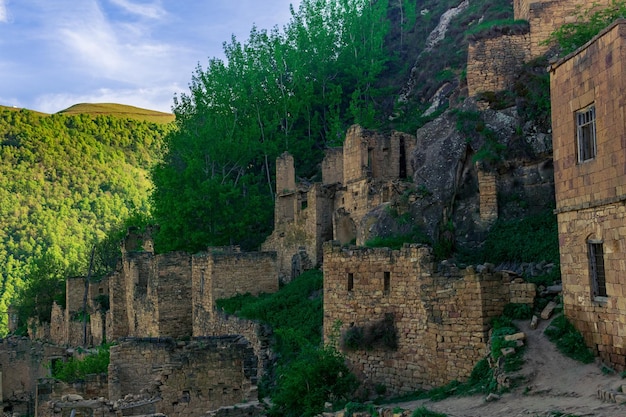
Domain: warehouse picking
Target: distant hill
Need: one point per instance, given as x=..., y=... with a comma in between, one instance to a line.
x=119, y=110
x=66, y=180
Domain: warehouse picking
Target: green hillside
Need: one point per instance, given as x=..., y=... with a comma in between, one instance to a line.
x=65, y=180
x=119, y=110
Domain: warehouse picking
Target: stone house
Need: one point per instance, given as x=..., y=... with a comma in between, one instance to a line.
x=426, y=325
x=363, y=174
x=589, y=133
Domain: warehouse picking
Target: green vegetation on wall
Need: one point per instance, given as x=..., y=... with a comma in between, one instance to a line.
x=76, y=369
x=589, y=22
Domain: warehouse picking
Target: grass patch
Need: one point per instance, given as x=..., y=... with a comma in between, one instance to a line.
x=568, y=340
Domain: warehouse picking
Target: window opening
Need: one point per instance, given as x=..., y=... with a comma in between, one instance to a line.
x=387, y=282
x=402, y=174
x=586, y=133
x=596, y=268
x=350, y=281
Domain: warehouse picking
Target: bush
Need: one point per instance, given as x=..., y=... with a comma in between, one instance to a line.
x=316, y=376
x=568, y=340
x=75, y=369
x=518, y=311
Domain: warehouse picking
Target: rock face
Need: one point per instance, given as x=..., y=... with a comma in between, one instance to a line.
x=452, y=176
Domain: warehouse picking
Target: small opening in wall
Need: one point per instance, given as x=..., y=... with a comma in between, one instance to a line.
x=387, y=282
x=186, y=397
x=304, y=204
x=100, y=290
x=350, y=281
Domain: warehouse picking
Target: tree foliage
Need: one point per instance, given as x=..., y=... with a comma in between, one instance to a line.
x=65, y=181
x=293, y=90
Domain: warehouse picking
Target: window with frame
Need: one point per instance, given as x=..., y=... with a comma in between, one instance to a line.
x=586, y=133
x=596, y=268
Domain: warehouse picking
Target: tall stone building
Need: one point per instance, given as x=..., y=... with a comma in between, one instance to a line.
x=589, y=124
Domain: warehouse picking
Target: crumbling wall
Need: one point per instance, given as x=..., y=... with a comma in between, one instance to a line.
x=189, y=378
x=441, y=318
x=493, y=63
x=22, y=362
x=224, y=273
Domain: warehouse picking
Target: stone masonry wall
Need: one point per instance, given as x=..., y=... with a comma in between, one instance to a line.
x=493, y=63
x=593, y=75
x=332, y=166
x=602, y=321
x=548, y=15
x=488, y=190
x=591, y=196
x=22, y=362
x=218, y=275
x=189, y=377
x=442, y=318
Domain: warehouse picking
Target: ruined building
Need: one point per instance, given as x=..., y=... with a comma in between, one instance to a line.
x=176, y=353
x=362, y=175
x=427, y=326
x=589, y=124
x=494, y=59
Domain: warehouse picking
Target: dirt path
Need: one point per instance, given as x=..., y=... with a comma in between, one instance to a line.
x=552, y=383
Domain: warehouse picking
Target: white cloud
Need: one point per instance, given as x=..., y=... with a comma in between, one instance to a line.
x=151, y=11
x=4, y=15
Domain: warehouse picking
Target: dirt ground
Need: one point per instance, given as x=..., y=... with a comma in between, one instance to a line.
x=552, y=384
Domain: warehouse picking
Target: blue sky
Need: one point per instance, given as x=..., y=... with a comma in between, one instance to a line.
x=56, y=53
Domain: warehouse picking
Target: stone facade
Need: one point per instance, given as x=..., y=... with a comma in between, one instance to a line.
x=22, y=363
x=545, y=16
x=591, y=195
x=356, y=178
x=165, y=295
x=187, y=378
x=441, y=318
x=493, y=63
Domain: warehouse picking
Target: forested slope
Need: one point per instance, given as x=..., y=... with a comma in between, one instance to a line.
x=64, y=182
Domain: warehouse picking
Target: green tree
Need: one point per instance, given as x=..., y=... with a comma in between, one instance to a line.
x=295, y=90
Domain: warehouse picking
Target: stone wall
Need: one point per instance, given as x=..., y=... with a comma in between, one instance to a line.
x=493, y=63
x=220, y=274
x=591, y=195
x=548, y=15
x=441, y=317
x=332, y=166
x=188, y=377
x=22, y=362
x=257, y=334
x=488, y=193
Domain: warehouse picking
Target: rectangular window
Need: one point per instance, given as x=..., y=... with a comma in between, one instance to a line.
x=387, y=282
x=350, y=281
x=586, y=133
x=596, y=269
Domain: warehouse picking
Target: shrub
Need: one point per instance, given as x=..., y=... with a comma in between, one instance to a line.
x=518, y=311
x=568, y=340
x=75, y=369
x=316, y=376
x=379, y=334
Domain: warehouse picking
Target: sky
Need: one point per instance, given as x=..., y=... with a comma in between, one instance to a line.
x=57, y=53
